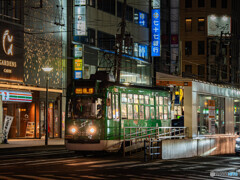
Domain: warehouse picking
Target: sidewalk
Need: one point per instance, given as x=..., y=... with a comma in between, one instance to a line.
x=18, y=143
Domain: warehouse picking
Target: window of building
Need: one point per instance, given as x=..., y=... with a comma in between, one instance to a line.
x=201, y=70
x=188, y=69
x=224, y=3
x=188, y=48
x=140, y=18
x=201, y=3
x=213, y=71
x=213, y=48
x=106, y=6
x=224, y=71
x=213, y=3
x=201, y=24
x=129, y=11
x=91, y=3
x=105, y=41
x=201, y=47
x=188, y=24
x=188, y=3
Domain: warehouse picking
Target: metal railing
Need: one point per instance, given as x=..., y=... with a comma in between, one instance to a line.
x=135, y=136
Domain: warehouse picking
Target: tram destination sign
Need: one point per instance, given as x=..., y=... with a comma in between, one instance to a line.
x=11, y=52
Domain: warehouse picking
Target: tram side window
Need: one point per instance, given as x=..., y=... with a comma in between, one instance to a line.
x=165, y=101
x=160, y=112
x=141, y=112
x=151, y=101
x=135, y=98
x=146, y=99
x=152, y=113
x=124, y=111
x=130, y=98
x=160, y=100
x=157, y=101
x=157, y=116
x=109, y=107
x=130, y=111
x=117, y=106
x=147, y=113
x=135, y=111
x=141, y=99
x=165, y=112
x=124, y=98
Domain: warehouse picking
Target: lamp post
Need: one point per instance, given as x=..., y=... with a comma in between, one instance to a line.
x=47, y=70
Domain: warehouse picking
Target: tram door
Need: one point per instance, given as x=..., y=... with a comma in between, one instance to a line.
x=116, y=115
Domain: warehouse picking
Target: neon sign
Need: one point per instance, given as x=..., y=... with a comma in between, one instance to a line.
x=156, y=32
x=9, y=39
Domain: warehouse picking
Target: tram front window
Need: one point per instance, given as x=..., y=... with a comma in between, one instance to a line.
x=86, y=108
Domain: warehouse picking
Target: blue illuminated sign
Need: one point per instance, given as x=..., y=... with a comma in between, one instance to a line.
x=78, y=74
x=142, y=19
x=156, y=41
x=142, y=51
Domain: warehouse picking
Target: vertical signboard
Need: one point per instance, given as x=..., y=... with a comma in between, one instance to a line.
x=11, y=52
x=78, y=62
x=156, y=43
x=80, y=19
x=7, y=124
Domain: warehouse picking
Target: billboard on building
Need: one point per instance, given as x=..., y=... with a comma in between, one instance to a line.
x=218, y=24
x=156, y=29
x=11, y=52
x=78, y=62
x=80, y=21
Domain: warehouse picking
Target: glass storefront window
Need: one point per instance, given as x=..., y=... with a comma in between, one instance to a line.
x=211, y=115
x=236, y=115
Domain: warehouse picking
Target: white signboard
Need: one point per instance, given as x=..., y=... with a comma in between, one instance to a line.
x=156, y=4
x=6, y=127
x=80, y=21
x=218, y=24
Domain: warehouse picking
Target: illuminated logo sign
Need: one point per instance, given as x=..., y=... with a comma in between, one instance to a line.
x=218, y=24
x=7, y=39
x=155, y=49
x=84, y=90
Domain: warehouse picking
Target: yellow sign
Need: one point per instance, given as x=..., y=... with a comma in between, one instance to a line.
x=84, y=90
x=78, y=64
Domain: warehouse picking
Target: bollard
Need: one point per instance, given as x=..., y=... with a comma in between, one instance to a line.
x=151, y=149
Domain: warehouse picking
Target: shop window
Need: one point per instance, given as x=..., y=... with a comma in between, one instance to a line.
x=188, y=3
x=188, y=48
x=213, y=3
x=224, y=3
x=201, y=47
x=188, y=24
x=201, y=3
x=213, y=47
x=106, y=6
x=201, y=24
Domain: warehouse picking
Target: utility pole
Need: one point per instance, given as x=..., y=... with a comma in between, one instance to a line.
x=118, y=58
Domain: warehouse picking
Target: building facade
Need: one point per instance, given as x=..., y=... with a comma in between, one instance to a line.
x=33, y=36
x=206, y=35
x=94, y=41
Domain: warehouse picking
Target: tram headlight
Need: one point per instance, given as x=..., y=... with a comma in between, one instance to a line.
x=73, y=130
x=92, y=130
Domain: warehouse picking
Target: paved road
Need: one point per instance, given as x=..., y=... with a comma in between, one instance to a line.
x=61, y=164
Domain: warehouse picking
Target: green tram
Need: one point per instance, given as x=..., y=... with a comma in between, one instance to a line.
x=97, y=113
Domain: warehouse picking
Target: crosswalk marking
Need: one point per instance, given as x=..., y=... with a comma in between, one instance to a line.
x=90, y=162
x=115, y=164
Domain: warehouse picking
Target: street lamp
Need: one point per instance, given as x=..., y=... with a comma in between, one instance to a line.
x=47, y=70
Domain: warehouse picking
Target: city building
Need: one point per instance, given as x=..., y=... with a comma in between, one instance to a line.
x=33, y=36
x=95, y=39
